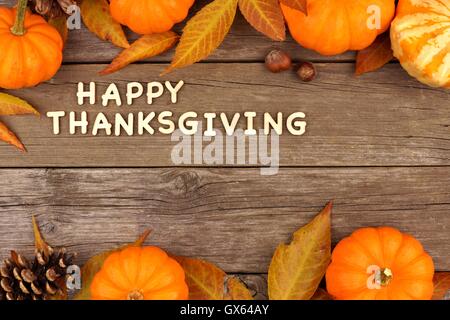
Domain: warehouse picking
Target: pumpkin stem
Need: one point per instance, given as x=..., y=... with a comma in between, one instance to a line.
x=18, y=28
x=135, y=295
x=383, y=277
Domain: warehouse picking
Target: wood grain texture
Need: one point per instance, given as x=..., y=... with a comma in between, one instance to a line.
x=83, y=46
x=232, y=217
x=381, y=119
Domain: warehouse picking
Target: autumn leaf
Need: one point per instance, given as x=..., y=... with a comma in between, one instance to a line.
x=145, y=47
x=265, y=16
x=297, y=269
x=9, y=137
x=321, y=294
x=95, y=263
x=441, y=285
x=40, y=243
x=10, y=106
x=60, y=24
x=204, y=33
x=375, y=56
x=301, y=5
x=208, y=282
x=236, y=289
x=98, y=20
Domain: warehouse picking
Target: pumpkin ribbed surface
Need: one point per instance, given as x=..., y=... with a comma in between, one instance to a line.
x=380, y=264
x=420, y=37
x=335, y=26
x=137, y=273
x=29, y=59
x=150, y=16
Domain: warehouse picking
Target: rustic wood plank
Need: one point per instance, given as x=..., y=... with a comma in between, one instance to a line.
x=84, y=47
x=232, y=217
x=381, y=119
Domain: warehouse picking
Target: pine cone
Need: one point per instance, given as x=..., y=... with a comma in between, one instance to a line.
x=38, y=280
x=52, y=8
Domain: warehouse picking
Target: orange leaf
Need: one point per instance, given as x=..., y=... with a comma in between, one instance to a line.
x=60, y=24
x=39, y=241
x=375, y=56
x=10, y=106
x=98, y=19
x=9, y=137
x=265, y=16
x=237, y=290
x=441, y=285
x=208, y=282
x=297, y=269
x=145, y=47
x=204, y=33
x=301, y=5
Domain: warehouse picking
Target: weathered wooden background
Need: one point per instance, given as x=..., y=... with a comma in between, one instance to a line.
x=378, y=145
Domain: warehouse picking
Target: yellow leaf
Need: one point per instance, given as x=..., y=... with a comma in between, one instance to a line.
x=98, y=19
x=301, y=5
x=145, y=47
x=9, y=137
x=297, y=269
x=10, y=106
x=208, y=282
x=60, y=24
x=321, y=294
x=204, y=33
x=265, y=16
x=95, y=263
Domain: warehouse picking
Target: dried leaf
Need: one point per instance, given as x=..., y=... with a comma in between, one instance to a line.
x=301, y=5
x=39, y=241
x=145, y=47
x=321, y=294
x=10, y=106
x=265, y=16
x=98, y=20
x=94, y=264
x=204, y=33
x=297, y=269
x=237, y=290
x=375, y=56
x=441, y=286
x=60, y=24
x=208, y=282
x=9, y=137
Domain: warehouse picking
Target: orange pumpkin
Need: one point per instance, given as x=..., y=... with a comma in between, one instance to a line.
x=380, y=264
x=139, y=273
x=30, y=49
x=420, y=35
x=150, y=16
x=333, y=27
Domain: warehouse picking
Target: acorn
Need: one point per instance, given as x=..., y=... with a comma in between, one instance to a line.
x=306, y=71
x=278, y=61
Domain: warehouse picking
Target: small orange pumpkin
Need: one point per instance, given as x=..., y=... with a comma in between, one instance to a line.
x=150, y=16
x=333, y=27
x=30, y=49
x=380, y=264
x=139, y=273
x=420, y=36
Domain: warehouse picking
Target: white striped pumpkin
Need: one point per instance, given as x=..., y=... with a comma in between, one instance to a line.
x=420, y=36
